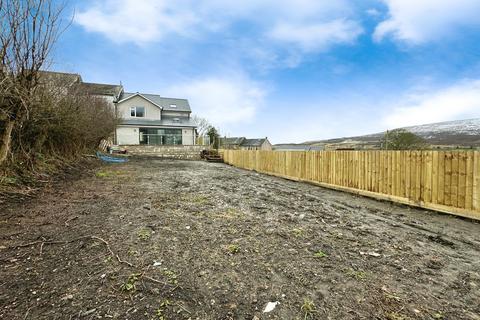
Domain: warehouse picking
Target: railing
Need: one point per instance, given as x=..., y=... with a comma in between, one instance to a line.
x=446, y=181
x=160, y=139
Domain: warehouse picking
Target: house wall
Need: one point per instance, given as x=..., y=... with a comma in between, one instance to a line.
x=109, y=99
x=188, y=136
x=152, y=112
x=127, y=136
x=266, y=145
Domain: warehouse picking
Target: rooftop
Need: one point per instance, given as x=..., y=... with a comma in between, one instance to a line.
x=169, y=104
x=102, y=89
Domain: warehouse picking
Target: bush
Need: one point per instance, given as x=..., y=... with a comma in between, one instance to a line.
x=61, y=125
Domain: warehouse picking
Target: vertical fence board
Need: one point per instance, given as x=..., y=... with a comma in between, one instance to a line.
x=445, y=181
x=469, y=181
x=462, y=179
x=476, y=182
x=454, y=187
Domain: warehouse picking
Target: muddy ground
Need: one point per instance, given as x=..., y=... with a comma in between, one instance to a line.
x=155, y=239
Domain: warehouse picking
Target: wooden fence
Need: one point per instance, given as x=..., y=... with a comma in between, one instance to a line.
x=446, y=181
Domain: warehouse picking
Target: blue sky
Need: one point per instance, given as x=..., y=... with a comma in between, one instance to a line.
x=292, y=70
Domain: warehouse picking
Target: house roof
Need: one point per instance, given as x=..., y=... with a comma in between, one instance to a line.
x=165, y=121
x=102, y=89
x=164, y=103
x=253, y=142
x=232, y=140
x=297, y=147
x=57, y=78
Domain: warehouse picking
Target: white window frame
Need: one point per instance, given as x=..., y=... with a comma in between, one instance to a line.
x=173, y=106
x=135, y=110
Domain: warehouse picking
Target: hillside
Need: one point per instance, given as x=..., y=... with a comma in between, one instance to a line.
x=459, y=132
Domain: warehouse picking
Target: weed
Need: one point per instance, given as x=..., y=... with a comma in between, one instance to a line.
x=129, y=285
x=396, y=316
x=144, y=234
x=231, y=212
x=199, y=199
x=108, y=173
x=160, y=312
x=132, y=252
x=9, y=180
x=320, y=254
x=390, y=296
x=171, y=276
x=298, y=232
x=308, y=308
x=358, y=275
x=233, y=248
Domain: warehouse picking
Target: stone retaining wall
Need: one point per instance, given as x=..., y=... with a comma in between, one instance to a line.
x=167, y=152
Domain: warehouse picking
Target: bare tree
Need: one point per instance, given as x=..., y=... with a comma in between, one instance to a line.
x=28, y=31
x=202, y=125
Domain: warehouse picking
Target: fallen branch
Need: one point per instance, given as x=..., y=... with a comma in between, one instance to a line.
x=42, y=242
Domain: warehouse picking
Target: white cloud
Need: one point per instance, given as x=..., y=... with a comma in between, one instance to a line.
x=459, y=101
x=417, y=21
x=136, y=21
x=317, y=36
x=227, y=99
x=310, y=24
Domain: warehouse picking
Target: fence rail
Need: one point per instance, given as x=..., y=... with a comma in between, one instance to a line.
x=446, y=181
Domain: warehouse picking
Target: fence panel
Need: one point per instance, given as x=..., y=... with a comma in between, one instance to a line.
x=445, y=181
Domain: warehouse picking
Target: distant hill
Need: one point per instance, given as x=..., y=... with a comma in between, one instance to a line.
x=450, y=133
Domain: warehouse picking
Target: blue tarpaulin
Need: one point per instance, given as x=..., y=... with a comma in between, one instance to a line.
x=111, y=159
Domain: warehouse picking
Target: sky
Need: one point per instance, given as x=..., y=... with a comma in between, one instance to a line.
x=289, y=70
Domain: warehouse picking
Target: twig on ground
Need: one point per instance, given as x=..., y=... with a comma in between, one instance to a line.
x=43, y=242
x=71, y=219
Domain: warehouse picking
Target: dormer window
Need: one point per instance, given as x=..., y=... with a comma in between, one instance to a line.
x=137, y=112
x=173, y=106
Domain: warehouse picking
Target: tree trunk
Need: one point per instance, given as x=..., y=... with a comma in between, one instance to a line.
x=6, y=140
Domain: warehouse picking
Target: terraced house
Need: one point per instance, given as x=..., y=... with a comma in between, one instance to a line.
x=145, y=119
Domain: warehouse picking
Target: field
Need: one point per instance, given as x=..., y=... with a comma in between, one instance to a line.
x=155, y=239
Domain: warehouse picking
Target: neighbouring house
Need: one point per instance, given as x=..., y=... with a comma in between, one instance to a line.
x=145, y=119
x=231, y=143
x=297, y=147
x=110, y=92
x=242, y=143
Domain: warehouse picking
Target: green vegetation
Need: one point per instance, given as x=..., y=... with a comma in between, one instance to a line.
x=308, y=308
x=357, y=274
x=47, y=120
x=130, y=284
x=213, y=135
x=171, y=276
x=233, y=248
x=401, y=139
x=320, y=254
x=144, y=234
x=160, y=312
x=298, y=232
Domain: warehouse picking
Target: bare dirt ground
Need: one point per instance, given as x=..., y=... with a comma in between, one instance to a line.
x=155, y=239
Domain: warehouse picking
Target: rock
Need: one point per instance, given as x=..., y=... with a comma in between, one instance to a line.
x=67, y=297
x=270, y=306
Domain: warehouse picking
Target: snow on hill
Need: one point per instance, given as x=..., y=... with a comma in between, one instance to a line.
x=458, y=132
